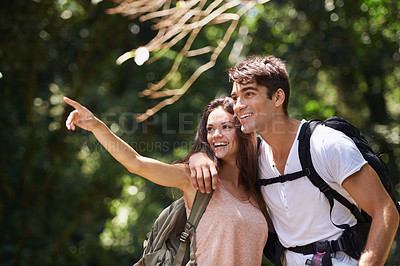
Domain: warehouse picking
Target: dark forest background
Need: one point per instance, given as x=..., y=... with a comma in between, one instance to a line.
x=65, y=201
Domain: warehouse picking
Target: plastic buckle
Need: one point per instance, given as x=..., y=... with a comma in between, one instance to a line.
x=188, y=226
x=325, y=188
x=183, y=237
x=322, y=247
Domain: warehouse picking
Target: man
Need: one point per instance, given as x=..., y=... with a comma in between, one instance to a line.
x=300, y=212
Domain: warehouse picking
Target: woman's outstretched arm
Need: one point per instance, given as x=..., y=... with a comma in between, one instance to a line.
x=175, y=175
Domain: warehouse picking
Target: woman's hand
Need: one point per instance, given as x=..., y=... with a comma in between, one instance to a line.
x=81, y=117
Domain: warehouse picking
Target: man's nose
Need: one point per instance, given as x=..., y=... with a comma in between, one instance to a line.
x=239, y=105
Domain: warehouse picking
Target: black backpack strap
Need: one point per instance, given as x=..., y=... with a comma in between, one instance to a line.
x=200, y=203
x=308, y=170
x=281, y=178
x=348, y=242
x=306, y=163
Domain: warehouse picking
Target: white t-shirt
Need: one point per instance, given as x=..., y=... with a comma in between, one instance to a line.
x=299, y=211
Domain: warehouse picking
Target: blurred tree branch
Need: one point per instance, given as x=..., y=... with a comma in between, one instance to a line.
x=173, y=21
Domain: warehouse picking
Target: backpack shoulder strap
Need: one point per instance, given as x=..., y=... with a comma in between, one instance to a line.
x=304, y=152
x=306, y=163
x=200, y=203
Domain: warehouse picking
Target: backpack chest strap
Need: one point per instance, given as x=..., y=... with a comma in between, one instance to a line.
x=283, y=178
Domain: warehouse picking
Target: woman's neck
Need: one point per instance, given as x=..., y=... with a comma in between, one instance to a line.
x=229, y=172
x=229, y=175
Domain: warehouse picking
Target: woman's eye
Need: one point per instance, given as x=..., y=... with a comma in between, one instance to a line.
x=227, y=127
x=209, y=129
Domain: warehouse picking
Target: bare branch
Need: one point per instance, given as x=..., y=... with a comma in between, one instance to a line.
x=200, y=51
x=177, y=21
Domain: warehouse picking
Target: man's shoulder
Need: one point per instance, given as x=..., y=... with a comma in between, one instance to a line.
x=326, y=135
x=326, y=140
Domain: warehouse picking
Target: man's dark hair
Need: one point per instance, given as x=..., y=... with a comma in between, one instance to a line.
x=269, y=72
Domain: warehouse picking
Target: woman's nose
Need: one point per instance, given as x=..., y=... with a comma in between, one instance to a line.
x=217, y=133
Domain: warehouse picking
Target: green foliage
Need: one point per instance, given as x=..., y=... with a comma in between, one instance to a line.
x=65, y=200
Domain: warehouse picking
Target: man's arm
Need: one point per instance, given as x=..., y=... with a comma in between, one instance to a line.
x=366, y=189
x=203, y=172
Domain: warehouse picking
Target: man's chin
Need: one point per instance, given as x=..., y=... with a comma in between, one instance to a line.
x=246, y=130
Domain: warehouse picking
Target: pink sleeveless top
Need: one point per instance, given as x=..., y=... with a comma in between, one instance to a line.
x=231, y=232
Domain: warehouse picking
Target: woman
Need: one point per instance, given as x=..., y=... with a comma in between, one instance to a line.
x=233, y=229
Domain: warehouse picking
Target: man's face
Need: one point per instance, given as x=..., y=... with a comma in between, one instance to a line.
x=252, y=107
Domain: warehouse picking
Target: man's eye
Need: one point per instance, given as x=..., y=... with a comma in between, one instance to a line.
x=249, y=93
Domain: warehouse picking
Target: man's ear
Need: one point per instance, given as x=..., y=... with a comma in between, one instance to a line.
x=279, y=97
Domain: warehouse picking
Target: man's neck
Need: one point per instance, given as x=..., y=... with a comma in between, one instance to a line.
x=281, y=139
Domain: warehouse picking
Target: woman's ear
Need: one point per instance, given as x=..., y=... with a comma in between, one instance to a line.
x=279, y=97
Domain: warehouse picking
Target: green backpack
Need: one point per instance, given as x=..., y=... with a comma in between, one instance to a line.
x=169, y=240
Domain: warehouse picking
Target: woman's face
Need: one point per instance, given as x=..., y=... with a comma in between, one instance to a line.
x=221, y=134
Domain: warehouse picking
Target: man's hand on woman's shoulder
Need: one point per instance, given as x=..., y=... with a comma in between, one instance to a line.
x=203, y=172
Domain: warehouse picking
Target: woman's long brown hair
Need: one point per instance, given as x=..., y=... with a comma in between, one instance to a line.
x=247, y=158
